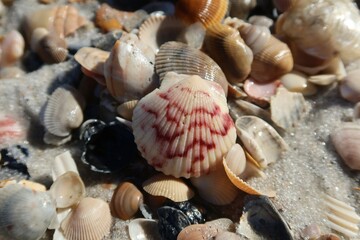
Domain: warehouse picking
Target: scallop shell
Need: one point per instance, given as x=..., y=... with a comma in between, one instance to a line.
x=228, y=49
x=208, y=12
x=180, y=58
x=126, y=200
x=169, y=187
x=67, y=190
x=197, y=232
x=342, y=217
x=90, y=220
x=25, y=213
x=126, y=109
x=183, y=129
x=235, y=159
x=260, y=139
x=143, y=229
x=346, y=141
x=350, y=87
x=63, y=111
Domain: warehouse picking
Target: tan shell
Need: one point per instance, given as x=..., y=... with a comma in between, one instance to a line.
x=235, y=159
x=63, y=111
x=240, y=9
x=180, y=58
x=228, y=49
x=12, y=46
x=323, y=79
x=224, y=224
x=170, y=187
x=126, y=109
x=260, y=20
x=208, y=12
x=224, y=235
x=197, y=232
x=193, y=35
x=183, y=129
x=110, y=19
x=125, y=201
x=350, y=87
x=90, y=220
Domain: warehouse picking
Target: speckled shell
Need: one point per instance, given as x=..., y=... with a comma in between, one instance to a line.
x=183, y=129
x=197, y=232
x=28, y=212
x=90, y=220
x=208, y=12
x=169, y=187
x=125, y=201
x=229, y=50
x=183, y=59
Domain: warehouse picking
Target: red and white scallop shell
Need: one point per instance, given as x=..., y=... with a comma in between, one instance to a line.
x=184, y=128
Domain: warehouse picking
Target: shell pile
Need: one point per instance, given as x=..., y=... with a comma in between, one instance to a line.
x=181, y=116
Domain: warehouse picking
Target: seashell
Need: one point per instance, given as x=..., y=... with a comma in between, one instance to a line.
x=323, y=79
x=260, y=20
x=236, y=92
x=90, y=220
x=350, y=87
x=260, y=139
x=294, y=81
x=197, y=232
x=25, y=183
x=126, y=109
x=193, y=35
x=283, y=5
x=224, y=224
x=208, y=12
x=241, y=8
x=194, y=214
x=143, y=229
x=329, y=236
x=67, y=190
x=215, y=187
x=129, y=70
x=168, y=116
x=356, y=115
x=61, y=164
x=170, y=187
x=60, y=116
x=25, y=213
x=287, y=108
x=55, y=140
x=224, y=235
x=235, y=159
x=157, y=30
x=260, y=93
x=311, y=231
x=252, y=168
x=345, y=141
x=227, y=48
x=342, y=217
x=12, y=46
x=182, y=59
x=171, y=222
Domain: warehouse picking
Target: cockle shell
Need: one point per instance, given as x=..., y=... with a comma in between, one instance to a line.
x=12, y=46
x=90, y=220
x=183, y=59
x=125, y=201
x=188, y=120
x=25, y=213
x=228, y=49
x=208, y=12
x=126, y=109
x=143, y=229
x=169, y=187
x=63, y=111
x=197, y=232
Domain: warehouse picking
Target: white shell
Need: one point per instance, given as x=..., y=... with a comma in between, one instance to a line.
x=143, y=229
x=184, y=129
x=235, y=159
x=61, y=164
x=323, y=79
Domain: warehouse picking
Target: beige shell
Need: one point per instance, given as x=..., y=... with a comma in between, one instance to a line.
x=350, y=87
x=241, y=9
x=295, y=81
x=260, y=93
x=228, y=49
x=61, y=164
x=183, y=59
x=260, y=139
x=342, y=217
x=224, y=224
x=63, y=111
x=67, y=190
x=235, y=159
x=125, y=201
x=170, y=187
x=38, y=187
x=193, y=35
x=224, y=235
x=12, y=46
x=90, y=220
x=126, y=109
x=110, y=19
x=260, y=20
x=197, y=232
x=184, y=128
x=323, y=79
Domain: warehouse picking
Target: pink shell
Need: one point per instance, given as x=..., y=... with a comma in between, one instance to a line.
x=184, y=128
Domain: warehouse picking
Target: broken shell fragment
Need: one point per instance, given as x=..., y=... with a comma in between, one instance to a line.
x=197, y=231
x=61, y=164
x=188, y=120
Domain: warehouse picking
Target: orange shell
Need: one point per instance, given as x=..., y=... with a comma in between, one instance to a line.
x=110, y=19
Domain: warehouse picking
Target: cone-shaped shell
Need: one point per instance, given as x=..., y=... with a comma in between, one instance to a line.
x=125, y=201
x=197, y=232
x=169, y=187
x=63, y=111
x=228, y=49
x=184, y=128
x=208, y=12
x=183, y=59
x=90, y=220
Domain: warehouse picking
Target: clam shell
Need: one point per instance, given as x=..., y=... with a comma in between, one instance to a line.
x=143, y=229
x=323, y=79
x=67, y=190
x=63, y=111
x=350, y=87
x=183, y=129
x=235, y=159
x=126, y=109
x=126, y=200
x=197, y=232
x=90, y=220
x=228, y=49
x=169, y=187
x=183, y=59
x=208, y=12
x=25, y=213
x=260, y=139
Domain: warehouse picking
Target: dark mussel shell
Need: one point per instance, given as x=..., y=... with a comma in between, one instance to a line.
x=171, y=222
x=194, y=214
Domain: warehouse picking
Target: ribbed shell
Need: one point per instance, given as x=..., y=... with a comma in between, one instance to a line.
x=90, y=220
x=183, y=129
x=63, y=111
x=229, y=50
x=235, y=159
x=197, y=232
x=52, y=49
x=183, y=59
x=169, y=187
x=126, y=109
x=208, y=12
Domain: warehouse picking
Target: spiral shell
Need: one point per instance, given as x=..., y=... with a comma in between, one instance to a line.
x=188, y=120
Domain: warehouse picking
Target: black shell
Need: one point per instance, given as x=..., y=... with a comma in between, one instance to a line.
x=171, y=222
x=194, y=215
